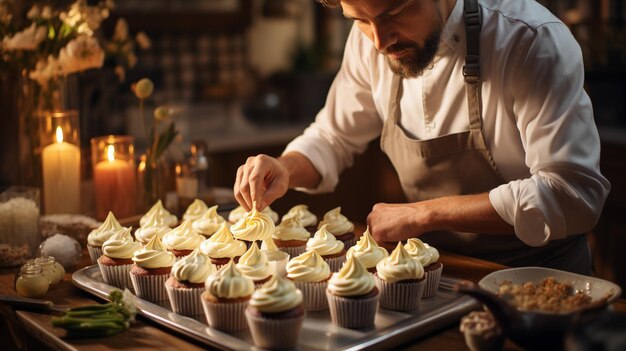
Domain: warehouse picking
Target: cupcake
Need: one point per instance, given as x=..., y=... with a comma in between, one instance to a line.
x=275, y=315
x=276, y=259
x=290, y=236
x=352, y=296
x=238, y=213
x=221, y=247
x=481, y=331
x=152, y=226
x=368, y=252
x=186, y=283
x=151, y=268
x=339, y=226
x=254, y=226
x=226, y=298
x=209, y=222
x=98, y=236
x=253, y=264
x=182, y=240
x=429, y=258
x=306, y=217
x=400, y=279
x=310, y=273
x=195, y=210
x=163, y=216
x=331, y=249
x=116, y=258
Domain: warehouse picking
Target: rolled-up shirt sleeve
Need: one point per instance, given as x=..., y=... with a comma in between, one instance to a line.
x=347, y=122
x=554, y=116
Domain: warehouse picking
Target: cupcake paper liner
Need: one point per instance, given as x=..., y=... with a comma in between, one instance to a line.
x=293, y=251
x=225, y=316
x=118, y=276
x=335, y=263
x=94, y=253
x=432, y=282
x=268, y=333
x=349, y=243
x=185, y=301
x=150, y=287
x=352, y=312
x=314, y=295
x=400, y=296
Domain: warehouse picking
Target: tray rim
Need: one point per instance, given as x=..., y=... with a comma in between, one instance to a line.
x=405, y=330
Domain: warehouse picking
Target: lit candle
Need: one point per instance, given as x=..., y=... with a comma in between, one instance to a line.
x=61, y=176
x=114, y=183
x=185, y=186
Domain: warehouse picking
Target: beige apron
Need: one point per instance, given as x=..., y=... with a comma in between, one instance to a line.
x=461, y=163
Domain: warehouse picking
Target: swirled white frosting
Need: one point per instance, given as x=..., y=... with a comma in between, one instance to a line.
x=399, y=266
x=195, y=210
x=337, y=223
x=162, y=216
x=367, y=251
x=194, y=268
x=253, y=264
x=254, y=226
x=183, y=237
x=306, y=217
x=154, y=255
x=109, y=227
x=308, y=267
x=425, y=253
x=324, y=243
x=209, y=222
x=353, y=279
x=229, y=283
x=235, y=215
x=151, y=227
x=120, y=245
x=291, y=229
x=222, y=244
x=277, y=295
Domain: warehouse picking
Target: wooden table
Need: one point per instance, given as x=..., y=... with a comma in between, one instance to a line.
x=34, y=330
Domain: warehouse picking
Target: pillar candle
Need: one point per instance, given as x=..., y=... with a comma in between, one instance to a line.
x=114, y=184
x=61, y=176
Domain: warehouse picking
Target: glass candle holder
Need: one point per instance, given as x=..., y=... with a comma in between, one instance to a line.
x=60, y=158
x=19, y=225
x=114, y=179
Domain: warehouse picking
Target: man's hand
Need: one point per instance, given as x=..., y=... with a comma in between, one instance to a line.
x=262, y=179
x=390, y=223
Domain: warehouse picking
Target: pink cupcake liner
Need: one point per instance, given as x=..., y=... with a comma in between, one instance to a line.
x=118, y=276
x=314, y=295
x=150, y=287
x=400, y=296
x=225, y=316
x=269, y=333
x=432, y=282
x=293, y=251
x=335, y=263
x=185, y=301
x=352, y=312
x=94, y=253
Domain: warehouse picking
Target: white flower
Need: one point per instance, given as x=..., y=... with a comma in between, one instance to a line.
x=28, y=39
x=46, y=12
x=45, y=70
x=33, y=13
x=81, y=54
x=93, y=16
x=143, y=40
x=121, y=30
x=72, y=17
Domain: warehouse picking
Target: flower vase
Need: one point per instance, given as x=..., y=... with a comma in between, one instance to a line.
x=156, y=179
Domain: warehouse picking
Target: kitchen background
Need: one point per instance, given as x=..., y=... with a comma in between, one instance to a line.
x=246, y=76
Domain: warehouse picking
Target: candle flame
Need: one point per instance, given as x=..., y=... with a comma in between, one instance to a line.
x=111, y=153
x=59, y=133
x=178, y=169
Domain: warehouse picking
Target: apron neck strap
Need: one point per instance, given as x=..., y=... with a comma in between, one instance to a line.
x=471, y=69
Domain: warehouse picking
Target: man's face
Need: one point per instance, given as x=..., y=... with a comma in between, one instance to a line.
x=406, y=32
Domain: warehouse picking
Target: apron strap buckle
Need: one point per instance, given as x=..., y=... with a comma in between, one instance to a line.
x=471, y=69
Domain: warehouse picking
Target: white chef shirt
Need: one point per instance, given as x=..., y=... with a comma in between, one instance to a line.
x=537, y=119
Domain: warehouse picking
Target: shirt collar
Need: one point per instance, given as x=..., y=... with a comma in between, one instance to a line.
x=452, y=30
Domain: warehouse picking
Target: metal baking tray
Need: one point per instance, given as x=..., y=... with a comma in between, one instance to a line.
x=318, y=332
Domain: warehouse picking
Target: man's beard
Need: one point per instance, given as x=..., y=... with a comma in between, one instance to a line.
x=420, y=58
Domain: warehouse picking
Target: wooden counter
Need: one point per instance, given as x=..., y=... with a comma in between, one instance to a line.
x=34, y=331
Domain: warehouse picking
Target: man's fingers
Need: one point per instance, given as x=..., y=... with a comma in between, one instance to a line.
x=257, y=186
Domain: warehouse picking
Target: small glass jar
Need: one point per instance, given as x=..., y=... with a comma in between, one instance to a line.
x=31, y=281
x=49, y=266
